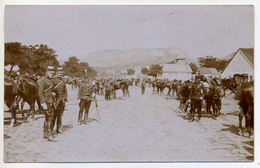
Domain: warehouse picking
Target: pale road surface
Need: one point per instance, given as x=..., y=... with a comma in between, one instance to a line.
x=141, y=128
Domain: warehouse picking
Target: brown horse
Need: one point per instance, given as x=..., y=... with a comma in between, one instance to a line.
x=213, y=96
x=183, y=92
x=28, y=91
x=245, y=95
x=10, y=97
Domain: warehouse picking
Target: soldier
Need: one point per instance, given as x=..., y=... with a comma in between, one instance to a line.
x=61, y=97
x=108, y=90
x=195, y=97
x=143, y=86
x=85, y=95
x=46, y=100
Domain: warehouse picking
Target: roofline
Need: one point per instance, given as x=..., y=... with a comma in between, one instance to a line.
x=177, y=72
x=246, y=56
x=235, y=55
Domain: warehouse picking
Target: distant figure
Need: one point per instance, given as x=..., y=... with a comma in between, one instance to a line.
x=85, y=95
x=143, y=86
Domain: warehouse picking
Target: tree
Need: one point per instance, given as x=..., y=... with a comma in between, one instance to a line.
x=193, y=67
x=15, y=54
x=71, y=67
x=144, y=71
x=32, y=59
x=41, y=56
x=155, y=70
x=74, y=68
x=212, y=62
x=130, y=72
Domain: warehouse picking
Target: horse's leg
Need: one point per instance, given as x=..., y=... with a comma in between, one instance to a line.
x=241, y=115
x=22, y=105
x=214, y=107
x=248, y=120
x=13, y=112
x=208, y=105
x=219, y=106
x=32, y=111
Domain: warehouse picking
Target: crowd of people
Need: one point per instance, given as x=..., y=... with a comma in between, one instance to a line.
x=53, y=95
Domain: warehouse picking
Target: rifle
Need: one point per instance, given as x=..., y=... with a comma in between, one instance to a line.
x=97, y=108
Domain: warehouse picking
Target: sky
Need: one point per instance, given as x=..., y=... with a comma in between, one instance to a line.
x=78, y=30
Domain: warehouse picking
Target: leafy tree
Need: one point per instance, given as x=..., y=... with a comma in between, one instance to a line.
x=144, y=71
x=155, y=70
x=15, y=54
x=193, y=67
x=71, y=67
x=74, y=68
x=32, y=59
x=41, y=56
x=212, y=62
x=130, y=72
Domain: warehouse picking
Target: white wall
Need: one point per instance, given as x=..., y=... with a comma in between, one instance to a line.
x=238, y=65
x=178, y=76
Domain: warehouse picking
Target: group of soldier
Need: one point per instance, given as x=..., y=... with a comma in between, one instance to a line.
x=53, y=95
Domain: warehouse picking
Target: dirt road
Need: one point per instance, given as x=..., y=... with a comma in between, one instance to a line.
x=140, y=128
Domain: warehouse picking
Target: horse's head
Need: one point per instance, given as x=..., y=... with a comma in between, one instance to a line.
x=217, y=81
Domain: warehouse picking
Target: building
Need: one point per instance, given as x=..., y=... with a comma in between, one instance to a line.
x=241, y=63
x=179, y=71
x=207, y=72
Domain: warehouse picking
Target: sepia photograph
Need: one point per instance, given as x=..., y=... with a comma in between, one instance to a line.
x=128, y=84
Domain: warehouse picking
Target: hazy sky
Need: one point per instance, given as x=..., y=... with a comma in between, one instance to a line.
x=79, y=30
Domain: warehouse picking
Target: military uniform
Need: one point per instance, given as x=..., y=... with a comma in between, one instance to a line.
x=85, y=95
x=45, y=95
x=108, y=90
x=61, y=96
x=196, y=96
x=143, y=86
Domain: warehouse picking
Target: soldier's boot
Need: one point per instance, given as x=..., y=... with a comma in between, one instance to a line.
x=49, y=136
x=45, y=135
x=86, y=118
x=80, y=118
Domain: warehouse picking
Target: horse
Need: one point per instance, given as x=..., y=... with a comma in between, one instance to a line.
x=183, y=92
x=119, y=84
x=245, y=95
x=10, y=97
x=229, y=85
x=28, y=91
x=213, y=96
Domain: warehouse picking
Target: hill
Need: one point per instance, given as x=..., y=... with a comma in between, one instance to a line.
x=124, y=59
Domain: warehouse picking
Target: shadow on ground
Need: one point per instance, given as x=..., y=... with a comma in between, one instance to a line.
x=231, y=128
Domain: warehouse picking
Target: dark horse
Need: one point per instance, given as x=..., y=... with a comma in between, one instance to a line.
x=10, y=97
x=116, y=86
x=213, y=96
x=183, y=92
x=245, y=95
x=28, y=91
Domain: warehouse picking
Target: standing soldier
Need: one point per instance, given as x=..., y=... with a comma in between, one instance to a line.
x=46, y=100
x=195, y=97
x=85, y=95
x=61, y=97
x=143, y=86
